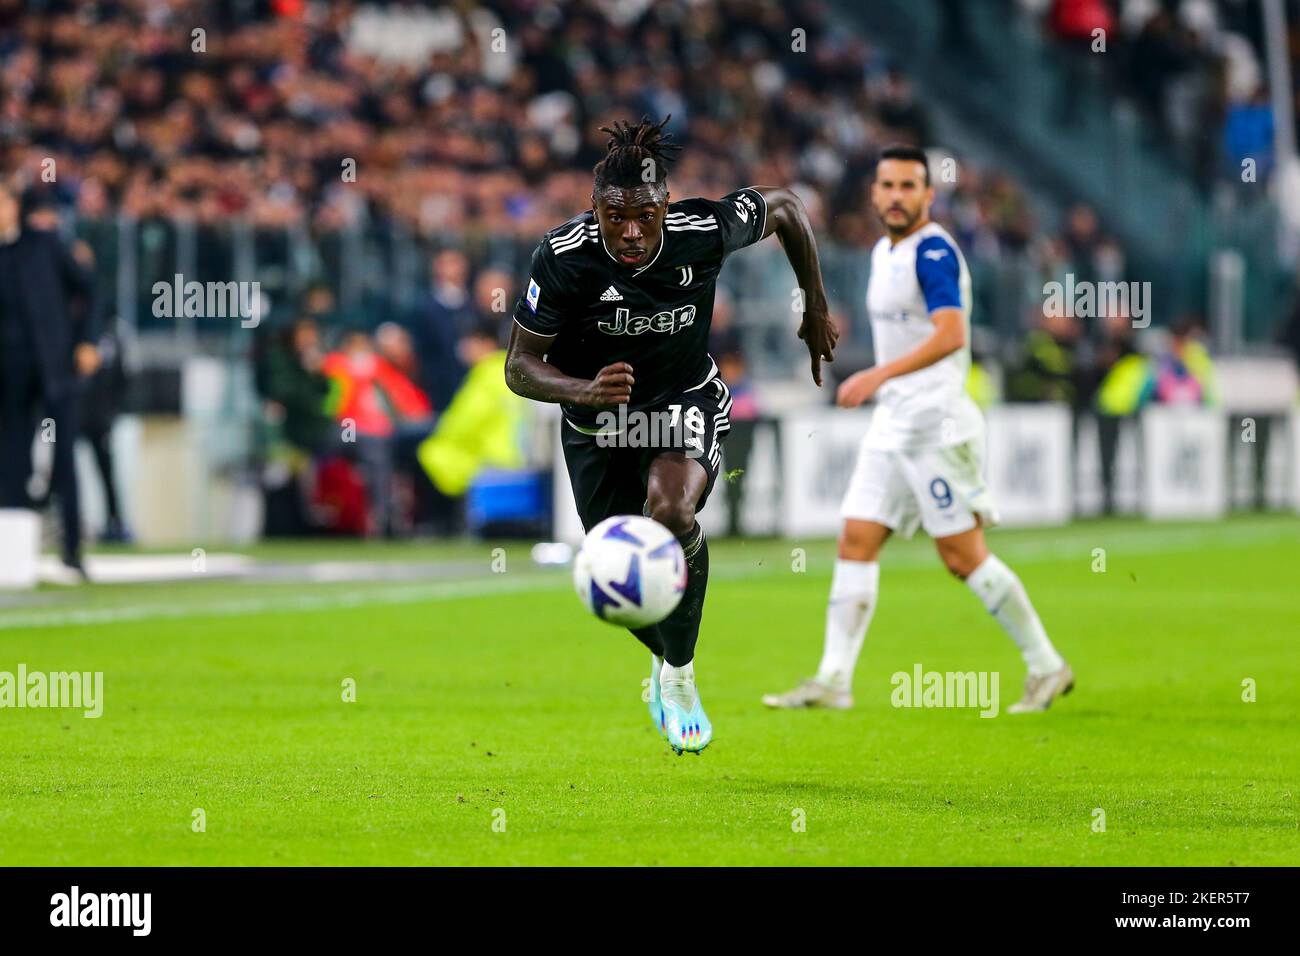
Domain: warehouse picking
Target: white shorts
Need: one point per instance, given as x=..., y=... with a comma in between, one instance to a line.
x=941, y=489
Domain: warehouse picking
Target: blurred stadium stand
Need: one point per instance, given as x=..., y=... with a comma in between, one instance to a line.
x=472, y=127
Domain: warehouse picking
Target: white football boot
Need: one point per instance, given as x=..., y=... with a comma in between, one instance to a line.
x=811, y=693
x=1041, y=690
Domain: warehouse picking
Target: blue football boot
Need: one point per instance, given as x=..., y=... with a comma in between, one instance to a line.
x=685, y=724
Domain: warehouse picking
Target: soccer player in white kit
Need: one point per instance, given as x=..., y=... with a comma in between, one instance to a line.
x=921, y=460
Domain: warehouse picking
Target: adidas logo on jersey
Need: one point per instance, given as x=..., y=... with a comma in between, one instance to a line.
x=611, y=295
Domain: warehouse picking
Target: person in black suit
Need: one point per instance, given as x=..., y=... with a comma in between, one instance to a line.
x=45, y=350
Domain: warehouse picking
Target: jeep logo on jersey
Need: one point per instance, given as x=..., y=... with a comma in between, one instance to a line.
x=625, y=323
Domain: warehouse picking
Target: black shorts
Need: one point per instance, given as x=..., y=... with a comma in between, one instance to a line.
x=609, y=472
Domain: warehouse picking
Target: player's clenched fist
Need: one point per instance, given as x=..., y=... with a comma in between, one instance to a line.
x=611, y=386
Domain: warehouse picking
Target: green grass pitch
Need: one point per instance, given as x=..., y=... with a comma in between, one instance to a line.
x=496, y=724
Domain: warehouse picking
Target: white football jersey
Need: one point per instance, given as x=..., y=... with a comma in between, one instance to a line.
x=928, y=408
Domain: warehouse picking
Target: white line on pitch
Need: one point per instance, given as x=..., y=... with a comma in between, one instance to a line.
x=1074, y=543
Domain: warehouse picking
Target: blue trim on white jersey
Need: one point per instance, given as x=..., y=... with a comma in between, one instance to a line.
x=938, y=270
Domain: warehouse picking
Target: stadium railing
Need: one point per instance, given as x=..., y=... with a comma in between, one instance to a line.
x=377, y=272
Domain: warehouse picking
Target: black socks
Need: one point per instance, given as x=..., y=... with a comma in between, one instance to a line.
x=674, y=637
x=681, y=629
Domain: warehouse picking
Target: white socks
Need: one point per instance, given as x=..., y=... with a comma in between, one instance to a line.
x=854, y=590
x=678, y=684
x=1002, y=593
x=848, y=613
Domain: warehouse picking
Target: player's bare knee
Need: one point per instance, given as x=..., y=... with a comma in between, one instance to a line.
x=956, y=565
x=960, y=563
x=858, y=544
x=855, y=548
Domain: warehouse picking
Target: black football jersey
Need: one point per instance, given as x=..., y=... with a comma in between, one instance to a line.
x=655, y=317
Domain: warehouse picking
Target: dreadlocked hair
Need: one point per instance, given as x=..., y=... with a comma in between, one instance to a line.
x=628, y=149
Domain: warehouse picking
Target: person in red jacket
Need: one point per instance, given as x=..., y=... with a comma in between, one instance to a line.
x=369, y=390
x=372, y=399
x=1076, y=20
x=1085, y=30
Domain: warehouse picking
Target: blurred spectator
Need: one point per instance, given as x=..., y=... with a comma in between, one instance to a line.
x=394, y=343
x=481, y=428
x=414, y=493
x=48, y=327
x=1048, y=369
x=1125, y=377
x=102, y=392
x=900, y=111
x=41, y=212
x=1092, y=255
x=440, y=317
x=373, y=401
x=1184, y=371
x=297, y=429
x=368, y=390
x=319, y=306
x=291, y=382
x=101, y=403
x=1161, y=52
x=1248, y=134
x=1125, y=385
x=1075, y=23
x=493, y=291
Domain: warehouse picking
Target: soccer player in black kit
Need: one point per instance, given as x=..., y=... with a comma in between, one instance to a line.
x=616, y=313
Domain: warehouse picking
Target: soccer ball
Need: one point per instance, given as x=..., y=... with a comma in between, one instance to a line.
x=630, y=571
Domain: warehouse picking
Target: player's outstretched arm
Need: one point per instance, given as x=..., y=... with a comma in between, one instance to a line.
x=949, y=335
x=530, y=375
x=787, y=218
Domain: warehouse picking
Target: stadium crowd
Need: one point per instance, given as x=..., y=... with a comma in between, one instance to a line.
x=467, y=117
x=472, y=120
x=1193, y=68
